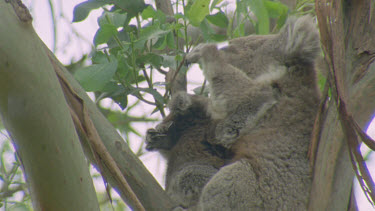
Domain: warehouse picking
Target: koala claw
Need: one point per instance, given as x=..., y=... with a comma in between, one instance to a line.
x=154, y=139
x=226, y=136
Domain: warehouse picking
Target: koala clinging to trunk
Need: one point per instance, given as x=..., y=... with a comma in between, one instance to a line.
x=258, y=118
x=270, y=169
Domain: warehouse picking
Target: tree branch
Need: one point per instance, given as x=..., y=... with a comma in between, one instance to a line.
x=350, y=54
x=146, y=188
x=175, y=79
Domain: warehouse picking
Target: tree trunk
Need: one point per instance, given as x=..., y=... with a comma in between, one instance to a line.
x=24, y=54
x=34, y=112
x=347, y=31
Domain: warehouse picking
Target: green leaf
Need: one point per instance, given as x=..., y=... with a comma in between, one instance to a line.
x=260, y=11
x=113, y=18
x=95, y=77
x=104, y=33
x=178, y=16
x=275, y=9
x=218, y=37
x=152, y=32
x=239, y=31
x=82, y=10
x=123, y=68
x=198, y=11
x=158, y=97
x=214, y=3
x=99, y=57
x=169, y=61
x=206, y=30
x=149, y=12
x=161, y=43
x=150, y=58
x=170, y=41
x=116, y=92
x=121, y=100
x=219, y=19
x=132, y=7
x=123, y=36
x=241, y=7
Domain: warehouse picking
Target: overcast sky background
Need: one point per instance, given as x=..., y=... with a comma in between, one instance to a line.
x=72, y=48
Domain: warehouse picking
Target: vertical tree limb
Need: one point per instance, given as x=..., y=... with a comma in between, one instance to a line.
x=35, y=114
x=342, y=25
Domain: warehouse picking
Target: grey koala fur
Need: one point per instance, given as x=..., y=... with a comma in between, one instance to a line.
x=182, y=138
x=263, y=100
x=270, y=169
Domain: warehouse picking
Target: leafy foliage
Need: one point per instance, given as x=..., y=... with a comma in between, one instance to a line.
x=13, y=190
x=146, y=41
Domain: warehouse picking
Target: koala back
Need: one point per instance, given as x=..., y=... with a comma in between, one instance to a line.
x=271, y=155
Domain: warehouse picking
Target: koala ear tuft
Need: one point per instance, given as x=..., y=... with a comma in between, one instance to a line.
x=180, y=102
x=301, y=38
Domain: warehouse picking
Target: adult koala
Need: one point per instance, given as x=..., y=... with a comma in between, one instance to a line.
x=263, y=100
x=268, y=125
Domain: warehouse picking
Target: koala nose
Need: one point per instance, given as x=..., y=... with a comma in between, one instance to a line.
x=187, y=63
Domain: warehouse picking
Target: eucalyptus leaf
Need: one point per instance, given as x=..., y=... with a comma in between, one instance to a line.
x=121, y=100
x=149, y=12
x=82, y=10
x=95, y=77
x=218, y=37
x=113, y=18
x=170, y=41
x=169, y=61
x=150, y=58
x=152, y=32
x=157, y=96
x=219, y=19
x=123, y=68
x=161, y=43
x=198, y=11
x=215, y=3
x=276, y=9
x=206, y=30
x=260, y=11
x=132, y=7
x=104, y=33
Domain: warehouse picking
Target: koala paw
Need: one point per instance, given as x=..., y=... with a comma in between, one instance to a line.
x=156, y=139
x=226, y=136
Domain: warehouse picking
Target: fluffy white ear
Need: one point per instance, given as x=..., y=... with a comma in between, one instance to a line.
x=302, y=38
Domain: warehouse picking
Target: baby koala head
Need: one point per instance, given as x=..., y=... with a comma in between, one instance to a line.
x=203, y=52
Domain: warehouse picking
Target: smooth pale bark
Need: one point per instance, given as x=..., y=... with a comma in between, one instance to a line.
x=34, y=112
x=347, y=33
x=141, y=181
x=144, y=185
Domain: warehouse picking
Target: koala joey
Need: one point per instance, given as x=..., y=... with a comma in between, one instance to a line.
x=182, y=138
x=264, y=97
x=235, y=98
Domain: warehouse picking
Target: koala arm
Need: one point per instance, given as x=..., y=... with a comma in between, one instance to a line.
x=243, y=119
x=237, y=101
x=227, y=84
